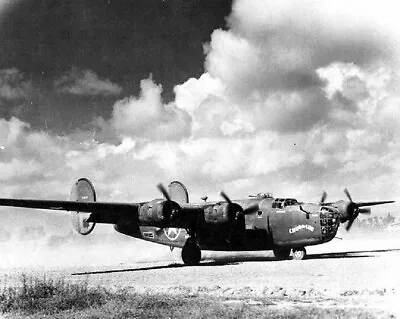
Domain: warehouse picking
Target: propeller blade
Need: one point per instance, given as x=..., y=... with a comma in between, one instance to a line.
x=323, y=197
x=164, y=191
x=348, y=195
x=225, y=197
x=348, y=226
x=251, y=209
x=366, y=211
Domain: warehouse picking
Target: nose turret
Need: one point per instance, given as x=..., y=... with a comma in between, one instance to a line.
x=330, y=220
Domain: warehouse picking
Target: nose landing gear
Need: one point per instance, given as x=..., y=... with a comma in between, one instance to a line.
x=284, y=253
x=299, y=253
x=191, y=253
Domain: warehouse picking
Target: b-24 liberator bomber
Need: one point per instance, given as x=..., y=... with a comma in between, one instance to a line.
x=260, y=222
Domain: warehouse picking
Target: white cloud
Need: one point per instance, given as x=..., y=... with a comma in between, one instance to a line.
x=193, y=92
x=86, y=83
x=148, y=117
x=18, y=170
x=271, y=62
x=13, y=85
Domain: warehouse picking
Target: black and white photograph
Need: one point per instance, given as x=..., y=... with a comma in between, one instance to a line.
x=199, y=159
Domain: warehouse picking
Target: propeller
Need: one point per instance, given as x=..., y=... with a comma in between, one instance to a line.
x=239, y=213
x=225, y=197
x=323, y=198
x=164, y=191
x=249, y=210
x=350, y=223
x=353, y=210
x=167, y=197
x=346, y=191
x=228, y=200
x=366, y=211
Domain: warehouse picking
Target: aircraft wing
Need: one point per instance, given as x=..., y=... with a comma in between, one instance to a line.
x=161, y=213
x=89, y=207
x=361, y=204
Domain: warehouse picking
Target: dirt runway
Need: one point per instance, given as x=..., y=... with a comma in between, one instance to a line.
x=362, y=272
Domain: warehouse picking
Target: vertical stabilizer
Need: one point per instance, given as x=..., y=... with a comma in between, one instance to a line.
x=82, y=191
x=178, y=192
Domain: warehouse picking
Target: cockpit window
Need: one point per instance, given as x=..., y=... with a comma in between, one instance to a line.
x=282, y=202
x=327, y=209
x=290, y=202
x=278, y=203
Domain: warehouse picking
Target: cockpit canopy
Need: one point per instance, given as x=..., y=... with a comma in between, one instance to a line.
x=264, y=195
x=282, y=202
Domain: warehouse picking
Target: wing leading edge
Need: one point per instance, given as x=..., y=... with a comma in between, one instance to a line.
x=102, y=212
x=88, y=207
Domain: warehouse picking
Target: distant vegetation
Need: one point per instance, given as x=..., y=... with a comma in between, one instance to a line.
x=48, y=298
x=374, y=222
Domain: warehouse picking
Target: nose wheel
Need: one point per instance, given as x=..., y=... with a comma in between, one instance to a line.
x=299, y=253
x=284, y=253
x=191, y=253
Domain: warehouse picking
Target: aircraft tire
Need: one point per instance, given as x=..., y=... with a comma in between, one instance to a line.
x=299, y=253
x=282, y=254
x=191, y=253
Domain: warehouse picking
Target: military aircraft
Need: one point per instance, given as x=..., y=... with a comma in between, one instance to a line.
x=260, y=222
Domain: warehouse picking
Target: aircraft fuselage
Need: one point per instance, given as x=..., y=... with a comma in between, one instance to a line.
x=274, y=224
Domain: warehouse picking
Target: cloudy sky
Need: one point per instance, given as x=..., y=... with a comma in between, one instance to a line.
x=291, y=97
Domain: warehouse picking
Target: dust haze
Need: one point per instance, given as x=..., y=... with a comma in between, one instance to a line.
x=33, y=248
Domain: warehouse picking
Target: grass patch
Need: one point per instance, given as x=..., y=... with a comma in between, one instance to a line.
x=49, y=298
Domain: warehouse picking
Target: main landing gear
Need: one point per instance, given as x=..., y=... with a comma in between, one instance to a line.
x=191, y=253
x=284, y=253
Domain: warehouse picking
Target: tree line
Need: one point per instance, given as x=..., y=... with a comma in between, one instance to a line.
x=375, y=222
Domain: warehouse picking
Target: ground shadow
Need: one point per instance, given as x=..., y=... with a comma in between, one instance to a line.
x=349, y=254
x=126, y=270
x=174, y=265
x=233, y=260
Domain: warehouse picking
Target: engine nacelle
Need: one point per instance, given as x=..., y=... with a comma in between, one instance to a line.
x=82, y=191
x=222, y=213
x=225, y=226
x=159, y=212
